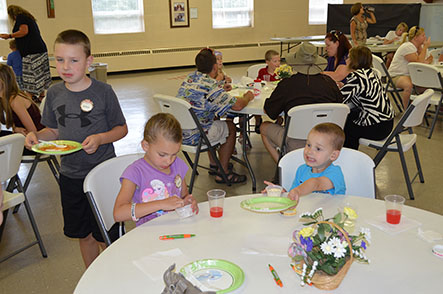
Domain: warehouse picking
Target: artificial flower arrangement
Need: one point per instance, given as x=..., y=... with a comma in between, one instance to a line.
x=323, y=251
x=284, y=71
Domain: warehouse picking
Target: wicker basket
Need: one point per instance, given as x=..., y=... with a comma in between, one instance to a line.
x=326, y=282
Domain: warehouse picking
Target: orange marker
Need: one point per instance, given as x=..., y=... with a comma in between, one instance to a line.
x=275, y=275
x=177, y=236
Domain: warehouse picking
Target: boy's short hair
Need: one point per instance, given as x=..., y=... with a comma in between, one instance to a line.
x=12, y=44
x=269, y=54
x=163, y=124
x=205, y=60
x=336, y=133
x=360, y=57
x=75, y=37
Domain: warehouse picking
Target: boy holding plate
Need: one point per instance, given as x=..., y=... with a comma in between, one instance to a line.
x=87, y=111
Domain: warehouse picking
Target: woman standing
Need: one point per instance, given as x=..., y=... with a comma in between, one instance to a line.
x=371, y=114
x=414, y=50
x=32, y=48
x=337, y=48
x=359, y=24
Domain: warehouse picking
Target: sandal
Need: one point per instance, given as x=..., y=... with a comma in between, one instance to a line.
x=257, y=125
x=214, y=169
x=233, y=178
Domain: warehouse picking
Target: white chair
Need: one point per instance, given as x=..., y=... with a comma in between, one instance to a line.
x=183, y=112
x=400, y=143
x=101, y=186
x=389, y=85
x=301, y=119
x=435, y=54
x=428, y=76
x=356, y=166
x=11, y=148
x=253, y=70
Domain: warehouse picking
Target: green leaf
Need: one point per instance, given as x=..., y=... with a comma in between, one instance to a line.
x=337, y=218
x=321, y=232
x=298, y=258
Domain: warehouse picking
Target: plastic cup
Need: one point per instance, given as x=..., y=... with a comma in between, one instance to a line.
x=267, y=78
x=185, y=211
x=274, y=190
x=216, y=198
x=394, y=205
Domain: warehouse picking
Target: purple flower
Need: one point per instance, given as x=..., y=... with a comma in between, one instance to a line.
x=363, y=244
x=307, y=243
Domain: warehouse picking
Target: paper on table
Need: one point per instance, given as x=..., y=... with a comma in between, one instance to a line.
x=429, y=235
x=155, y=265
x=265, y=245
x=246, y=80
x=404, y=225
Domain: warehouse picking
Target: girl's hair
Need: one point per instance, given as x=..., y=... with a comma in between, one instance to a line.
x=355, y=9
x=333, y=130
x=413, y=32
x=343, y=46
x=14, y=10
x=360, y=57
x=163, y=124
x=10, y=91
x=402, y=25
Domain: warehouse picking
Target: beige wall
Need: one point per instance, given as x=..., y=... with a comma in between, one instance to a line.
x=284, y=18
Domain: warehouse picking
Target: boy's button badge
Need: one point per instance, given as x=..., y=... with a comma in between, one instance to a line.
x=86, y=105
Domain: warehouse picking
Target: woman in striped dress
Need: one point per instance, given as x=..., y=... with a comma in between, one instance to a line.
x=371, y=114
x=32, y=48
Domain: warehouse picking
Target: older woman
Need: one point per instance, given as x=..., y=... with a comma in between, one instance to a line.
x=412, y=51
x=337, y=48
x=371, y=116
x=32, y=48
x=359, y=24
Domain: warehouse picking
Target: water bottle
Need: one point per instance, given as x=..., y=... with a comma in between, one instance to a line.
x=257, y=87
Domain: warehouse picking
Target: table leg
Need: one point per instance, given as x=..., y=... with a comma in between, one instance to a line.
x=245, y=155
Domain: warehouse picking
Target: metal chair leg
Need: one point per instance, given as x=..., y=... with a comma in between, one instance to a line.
x=434, y=121
x=405, y=169
x=189, y=160
x=194, y=168
x=417, y=162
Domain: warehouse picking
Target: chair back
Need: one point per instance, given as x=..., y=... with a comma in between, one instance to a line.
x=425, y=75
x=356, y=166
x=178, y=108
x=11, y=149
x=419, y=106
x=435, y=54
x=304, y=117
x=253, y=70
x=102, y=184
x=42, y=105
x=378, y=64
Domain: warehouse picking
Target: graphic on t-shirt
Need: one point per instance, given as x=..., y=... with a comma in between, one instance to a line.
x=157, y=192
x=178, y=181
x=63, y=116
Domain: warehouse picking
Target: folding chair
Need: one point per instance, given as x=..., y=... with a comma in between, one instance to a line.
x=11, y=148
x=390, y=87
x=428, y=76
x=183, y=112
x=400, y=143
x=435, y=54
x=356, y=166
x=101, y=186
x=253, y=70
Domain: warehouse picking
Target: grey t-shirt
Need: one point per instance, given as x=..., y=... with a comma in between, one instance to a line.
x=71, y=113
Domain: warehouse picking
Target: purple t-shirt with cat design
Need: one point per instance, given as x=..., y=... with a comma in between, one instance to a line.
x=152, y=184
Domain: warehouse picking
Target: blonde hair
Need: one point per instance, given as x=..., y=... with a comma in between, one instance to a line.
x=10, y=91
x=269, y=54
x=334, y=131
x=14, y=10
x=413, y=32
x=163, y=124
x=402, y=25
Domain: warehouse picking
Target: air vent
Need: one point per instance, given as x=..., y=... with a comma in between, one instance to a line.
x=171, y=50
x=122, y=53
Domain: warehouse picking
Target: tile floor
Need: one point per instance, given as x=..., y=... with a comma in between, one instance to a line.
x=28, y=272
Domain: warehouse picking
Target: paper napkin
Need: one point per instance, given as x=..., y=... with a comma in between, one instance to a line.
x=404, y=225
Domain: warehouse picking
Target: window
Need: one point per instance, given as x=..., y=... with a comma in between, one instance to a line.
x=4, y=20
x=318, y=10
x=232, y=13
x=118, y=16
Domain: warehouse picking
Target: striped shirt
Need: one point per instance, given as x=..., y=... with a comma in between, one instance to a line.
x=365, y=91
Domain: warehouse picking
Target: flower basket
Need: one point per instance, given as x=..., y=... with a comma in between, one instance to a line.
x=326, y=282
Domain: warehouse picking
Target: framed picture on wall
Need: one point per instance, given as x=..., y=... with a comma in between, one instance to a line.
x=179, y=13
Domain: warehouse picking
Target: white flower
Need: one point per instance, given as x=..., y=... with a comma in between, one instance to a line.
x=334, y=242
x=305, y=214
x=339, y=251
x=326, y=248
x=320, y=209
x=367, y=233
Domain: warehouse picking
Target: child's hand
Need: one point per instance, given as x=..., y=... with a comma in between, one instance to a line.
x=228, y=79
x=91, y=143
x=20, y=131
x=227, y=87
x=31, y=139
x=294, y=194
x=172, y=203
x=191, y=200
x=249, y=95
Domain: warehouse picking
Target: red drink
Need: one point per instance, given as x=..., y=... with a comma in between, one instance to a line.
x=393, y=216
x=216, y=211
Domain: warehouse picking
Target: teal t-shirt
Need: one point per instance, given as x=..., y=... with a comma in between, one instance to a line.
x=332, y=172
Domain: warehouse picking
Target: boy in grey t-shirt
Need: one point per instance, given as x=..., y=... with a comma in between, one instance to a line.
x=87, y=111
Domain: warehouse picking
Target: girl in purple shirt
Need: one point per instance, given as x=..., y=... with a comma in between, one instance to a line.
x=155, y=184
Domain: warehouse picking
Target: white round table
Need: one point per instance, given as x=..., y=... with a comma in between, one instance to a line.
x=401, y=263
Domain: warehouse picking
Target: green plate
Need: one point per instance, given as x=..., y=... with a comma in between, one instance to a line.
x=45, y=148
x=268, y=204
x=214, y=274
